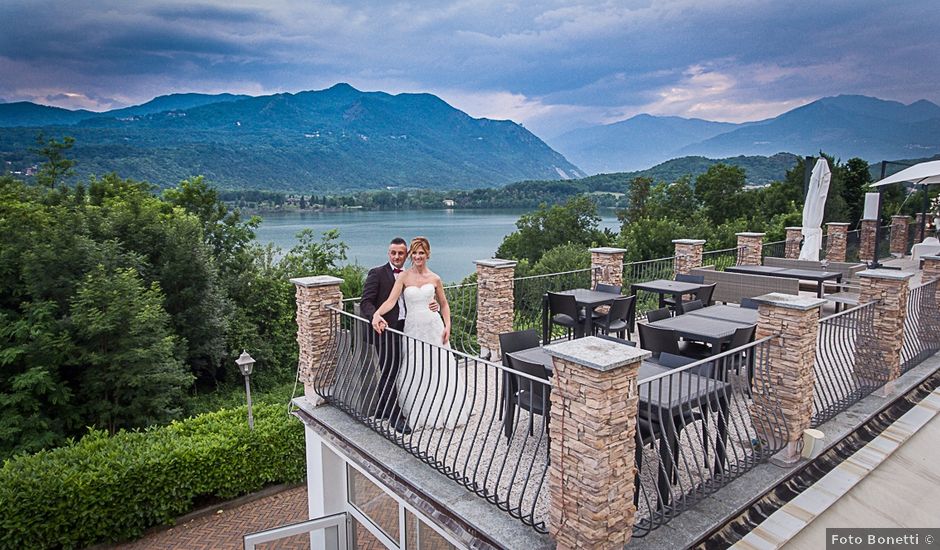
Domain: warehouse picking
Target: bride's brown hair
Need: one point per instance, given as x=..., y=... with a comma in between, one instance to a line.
x=422, y=243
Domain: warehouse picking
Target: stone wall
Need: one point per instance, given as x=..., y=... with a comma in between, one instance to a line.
x=899, y=233
x=878, y=360
x=314, y=326
x=750, y=248
x=787, y=382
x=592, y=468
x=837, y=239
x=794, y=240
x=495, y=303
x=688, y=254
x=866, y=250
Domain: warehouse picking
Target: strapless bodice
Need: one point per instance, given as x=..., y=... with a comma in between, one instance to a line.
x=417, y=298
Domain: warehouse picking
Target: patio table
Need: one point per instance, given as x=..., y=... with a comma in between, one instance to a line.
x=820, y=277
x=701, y=329
x=665, y=287
x=742, y=315
x=586, y=298
x=663, y=402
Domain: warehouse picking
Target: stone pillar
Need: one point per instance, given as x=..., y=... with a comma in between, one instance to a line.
x=750, y=248
x=836, y=243
x=495, y=305
x=866, y=249
x=794, y=238
x=918, y=234
x=593, y=426
x=607, y=264
x=314, y=326
x=899, y=229
x=878, y=359
x=688, y=254
x=787, y=382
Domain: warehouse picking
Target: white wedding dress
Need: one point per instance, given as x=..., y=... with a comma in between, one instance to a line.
x=431, y=387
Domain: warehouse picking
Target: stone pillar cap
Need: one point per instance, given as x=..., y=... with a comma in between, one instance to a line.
x=790, y=301
x=846, y=224
x=607, y=250
x=795, y=228
x=931, y=257
x=688, y=241
x=900, y=216
x=886, y=274
x=496, y=262
x=319, y=280
x=597, y=353
x=746, y=234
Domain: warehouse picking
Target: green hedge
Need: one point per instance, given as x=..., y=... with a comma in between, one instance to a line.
x=113, y=488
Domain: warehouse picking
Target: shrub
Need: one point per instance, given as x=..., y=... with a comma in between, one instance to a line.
x=113, y=488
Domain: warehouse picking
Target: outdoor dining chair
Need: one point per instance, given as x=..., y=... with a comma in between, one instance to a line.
x=619, y=318
x=658, y=315
x=749, y=303
x=510, y=342
x=564, y=311
x=705, y=294
x=600, y=311
x=529, y=395
x=686, y=307
x=684, y=278
x=741, y=337
x=658, y=340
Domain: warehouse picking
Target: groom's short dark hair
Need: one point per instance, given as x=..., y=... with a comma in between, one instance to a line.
x=399, y=240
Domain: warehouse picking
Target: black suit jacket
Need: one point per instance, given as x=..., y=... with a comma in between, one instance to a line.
x=378, y=286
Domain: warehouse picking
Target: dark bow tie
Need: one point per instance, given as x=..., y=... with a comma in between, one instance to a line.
x=396, y=270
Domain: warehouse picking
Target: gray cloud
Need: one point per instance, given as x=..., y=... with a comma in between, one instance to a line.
x=548, y=63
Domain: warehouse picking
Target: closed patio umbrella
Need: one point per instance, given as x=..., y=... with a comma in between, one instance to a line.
x=813, y=210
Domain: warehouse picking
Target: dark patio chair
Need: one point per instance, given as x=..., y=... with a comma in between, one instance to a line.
x=671, y=361
x=686, y=307
x=741, y=337
x=749, y=303
x=658, y=315
x=600, y=311
x=564, y=311
x=619, y=318
x=510, y=342
x=705, y=294
x=658, y=340
x=529, y=395
x=683, y=278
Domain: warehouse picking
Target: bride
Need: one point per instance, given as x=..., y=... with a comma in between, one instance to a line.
x=431, y=389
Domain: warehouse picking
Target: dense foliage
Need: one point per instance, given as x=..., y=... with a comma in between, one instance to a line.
x=116, y=303
x=714, y=206
x=112, y=488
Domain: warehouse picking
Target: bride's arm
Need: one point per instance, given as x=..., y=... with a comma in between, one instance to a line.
x=387, y=305
x=445, y=308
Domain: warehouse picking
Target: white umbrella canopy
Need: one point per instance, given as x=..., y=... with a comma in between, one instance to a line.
x=924, y=173
x=813, y=209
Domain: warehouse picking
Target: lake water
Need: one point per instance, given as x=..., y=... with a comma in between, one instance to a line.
x=458, y=237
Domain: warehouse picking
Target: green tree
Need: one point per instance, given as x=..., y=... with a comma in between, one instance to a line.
x=716, y=190
x=855, y=178
x=56, y=167
x=128, y=373
x=639, y=194
x=574, y=222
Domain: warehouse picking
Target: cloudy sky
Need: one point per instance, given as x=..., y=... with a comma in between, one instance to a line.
x=551, y=65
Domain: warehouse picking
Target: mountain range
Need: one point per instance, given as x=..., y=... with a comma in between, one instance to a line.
x=337, y=139
x=845, y=126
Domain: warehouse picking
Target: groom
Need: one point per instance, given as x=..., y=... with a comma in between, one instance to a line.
x=378, y=286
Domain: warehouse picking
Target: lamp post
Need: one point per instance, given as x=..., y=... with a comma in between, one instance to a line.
x=245, y=364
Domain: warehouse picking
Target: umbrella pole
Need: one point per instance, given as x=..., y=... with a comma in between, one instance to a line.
x=875, y=264
x=923, y=218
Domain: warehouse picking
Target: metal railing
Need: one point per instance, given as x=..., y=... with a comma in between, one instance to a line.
x=528, y=293
x=774, y=249
x=836, y=382
x=466, y=417
x=701, y=426
x=853, y=242
x=647, y=270
x=723, y=258
x=921, y=325
x=463, y=315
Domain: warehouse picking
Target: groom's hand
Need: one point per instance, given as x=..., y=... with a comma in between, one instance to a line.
x=434, y=306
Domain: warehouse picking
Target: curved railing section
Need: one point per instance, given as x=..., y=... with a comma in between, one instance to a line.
x=464, y=421
x=837, y=385
x=921, y=325
x=701, y=426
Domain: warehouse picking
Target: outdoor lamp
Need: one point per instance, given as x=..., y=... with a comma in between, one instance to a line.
x=245, y=365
